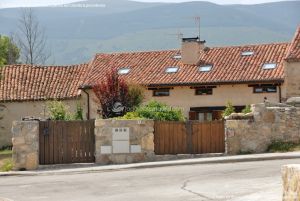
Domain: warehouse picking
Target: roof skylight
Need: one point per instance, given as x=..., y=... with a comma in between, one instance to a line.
x=247, y=53
x=205, y=68
x=268, y=66
x=177, y=57
x=123, y=71
x=172, y=69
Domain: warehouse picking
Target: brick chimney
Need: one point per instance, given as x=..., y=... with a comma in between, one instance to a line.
x=191, y=49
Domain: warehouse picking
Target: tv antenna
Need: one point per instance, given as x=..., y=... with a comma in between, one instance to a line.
x=197, y=23
x=179, y=34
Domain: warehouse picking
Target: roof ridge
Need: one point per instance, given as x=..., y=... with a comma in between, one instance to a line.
x=133, y=52
x=289, y=55
x=45, y=66
x=254, y=45
x=211, y=47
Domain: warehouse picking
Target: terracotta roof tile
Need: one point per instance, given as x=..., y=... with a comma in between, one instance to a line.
x=26, y=82
x=294, y=50
x=229, y=65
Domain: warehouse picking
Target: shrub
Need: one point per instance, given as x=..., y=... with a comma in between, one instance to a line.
x=58, y=110
x=280, y=146
x=247, y=109
x=228, y=110
x=156, y=111
x=7, y=166
x=135, y=95
x=116, y=96
x=79, y=112
x=130, y=115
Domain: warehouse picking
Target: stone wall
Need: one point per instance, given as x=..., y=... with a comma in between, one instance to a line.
x=291, y=182
x=25, y=145
x=254, y=132
x=124, y=141
x=292, y=79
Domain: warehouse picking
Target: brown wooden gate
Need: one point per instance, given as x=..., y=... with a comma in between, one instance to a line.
x=66, y=142
x=191, y=137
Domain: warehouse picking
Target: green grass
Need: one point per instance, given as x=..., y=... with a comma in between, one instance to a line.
x=5, y=160
x=279, y=146
x=6, y=152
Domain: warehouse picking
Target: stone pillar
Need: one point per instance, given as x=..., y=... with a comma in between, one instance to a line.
x=123, y=141
x=25, y=145
x=291, y=182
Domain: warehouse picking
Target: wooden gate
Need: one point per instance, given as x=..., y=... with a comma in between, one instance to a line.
x=66, y=142
x=191, y=137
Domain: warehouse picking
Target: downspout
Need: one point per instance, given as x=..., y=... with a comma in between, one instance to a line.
x=83, y=88
x=280, y=98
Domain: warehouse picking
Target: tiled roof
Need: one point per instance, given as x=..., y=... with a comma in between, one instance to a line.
x=229, y=66
x=294, y=50
x=26, y=82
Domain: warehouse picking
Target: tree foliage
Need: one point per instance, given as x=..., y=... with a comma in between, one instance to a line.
x=116, y=96
x=9, y=51
x=247, y=109
x=58, y=110
x=157, y=111
x=228, y=110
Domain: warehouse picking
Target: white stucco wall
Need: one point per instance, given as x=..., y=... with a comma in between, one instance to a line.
x=185, y=98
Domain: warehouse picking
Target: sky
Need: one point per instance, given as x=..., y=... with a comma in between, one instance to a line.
x=32, y=3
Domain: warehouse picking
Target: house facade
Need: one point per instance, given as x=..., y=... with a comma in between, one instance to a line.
x=201, y=80
x=197, y=79
x=25, y=90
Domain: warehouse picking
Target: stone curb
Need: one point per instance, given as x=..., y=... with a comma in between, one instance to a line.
x=213, y=160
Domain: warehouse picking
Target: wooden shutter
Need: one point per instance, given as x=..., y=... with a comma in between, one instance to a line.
x=193, y=115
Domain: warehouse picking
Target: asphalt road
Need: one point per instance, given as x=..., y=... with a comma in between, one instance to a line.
x=246, y=181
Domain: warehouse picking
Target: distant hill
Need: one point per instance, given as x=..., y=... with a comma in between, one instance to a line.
x=76, y=34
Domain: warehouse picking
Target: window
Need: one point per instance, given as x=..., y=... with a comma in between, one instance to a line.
x=123, y=71
x=177, y=57
x=268, y=66
x=265, y=89
x=205, y=68
x=172, y=69
x=205, y=116
x=247, y=53
x=161, y=92
x=203, y=91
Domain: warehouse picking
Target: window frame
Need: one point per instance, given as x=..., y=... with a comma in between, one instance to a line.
x=264, y=89
x=264, y=66
x=204, y=94
x=127, y=69
x=172, y=67
x=210, y=66
x=162, y=89
x=247, y=53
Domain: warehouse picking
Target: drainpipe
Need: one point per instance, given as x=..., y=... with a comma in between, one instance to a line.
x=279, y=87
x=84, y=88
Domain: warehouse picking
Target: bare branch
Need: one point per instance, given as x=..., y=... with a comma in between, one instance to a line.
x=32, y=39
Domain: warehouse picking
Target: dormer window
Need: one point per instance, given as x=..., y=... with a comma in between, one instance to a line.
x=177, y=57
x=268, y=66
x=172, y=69
x=123, y=71
x=205, y=68
x=247, y=53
